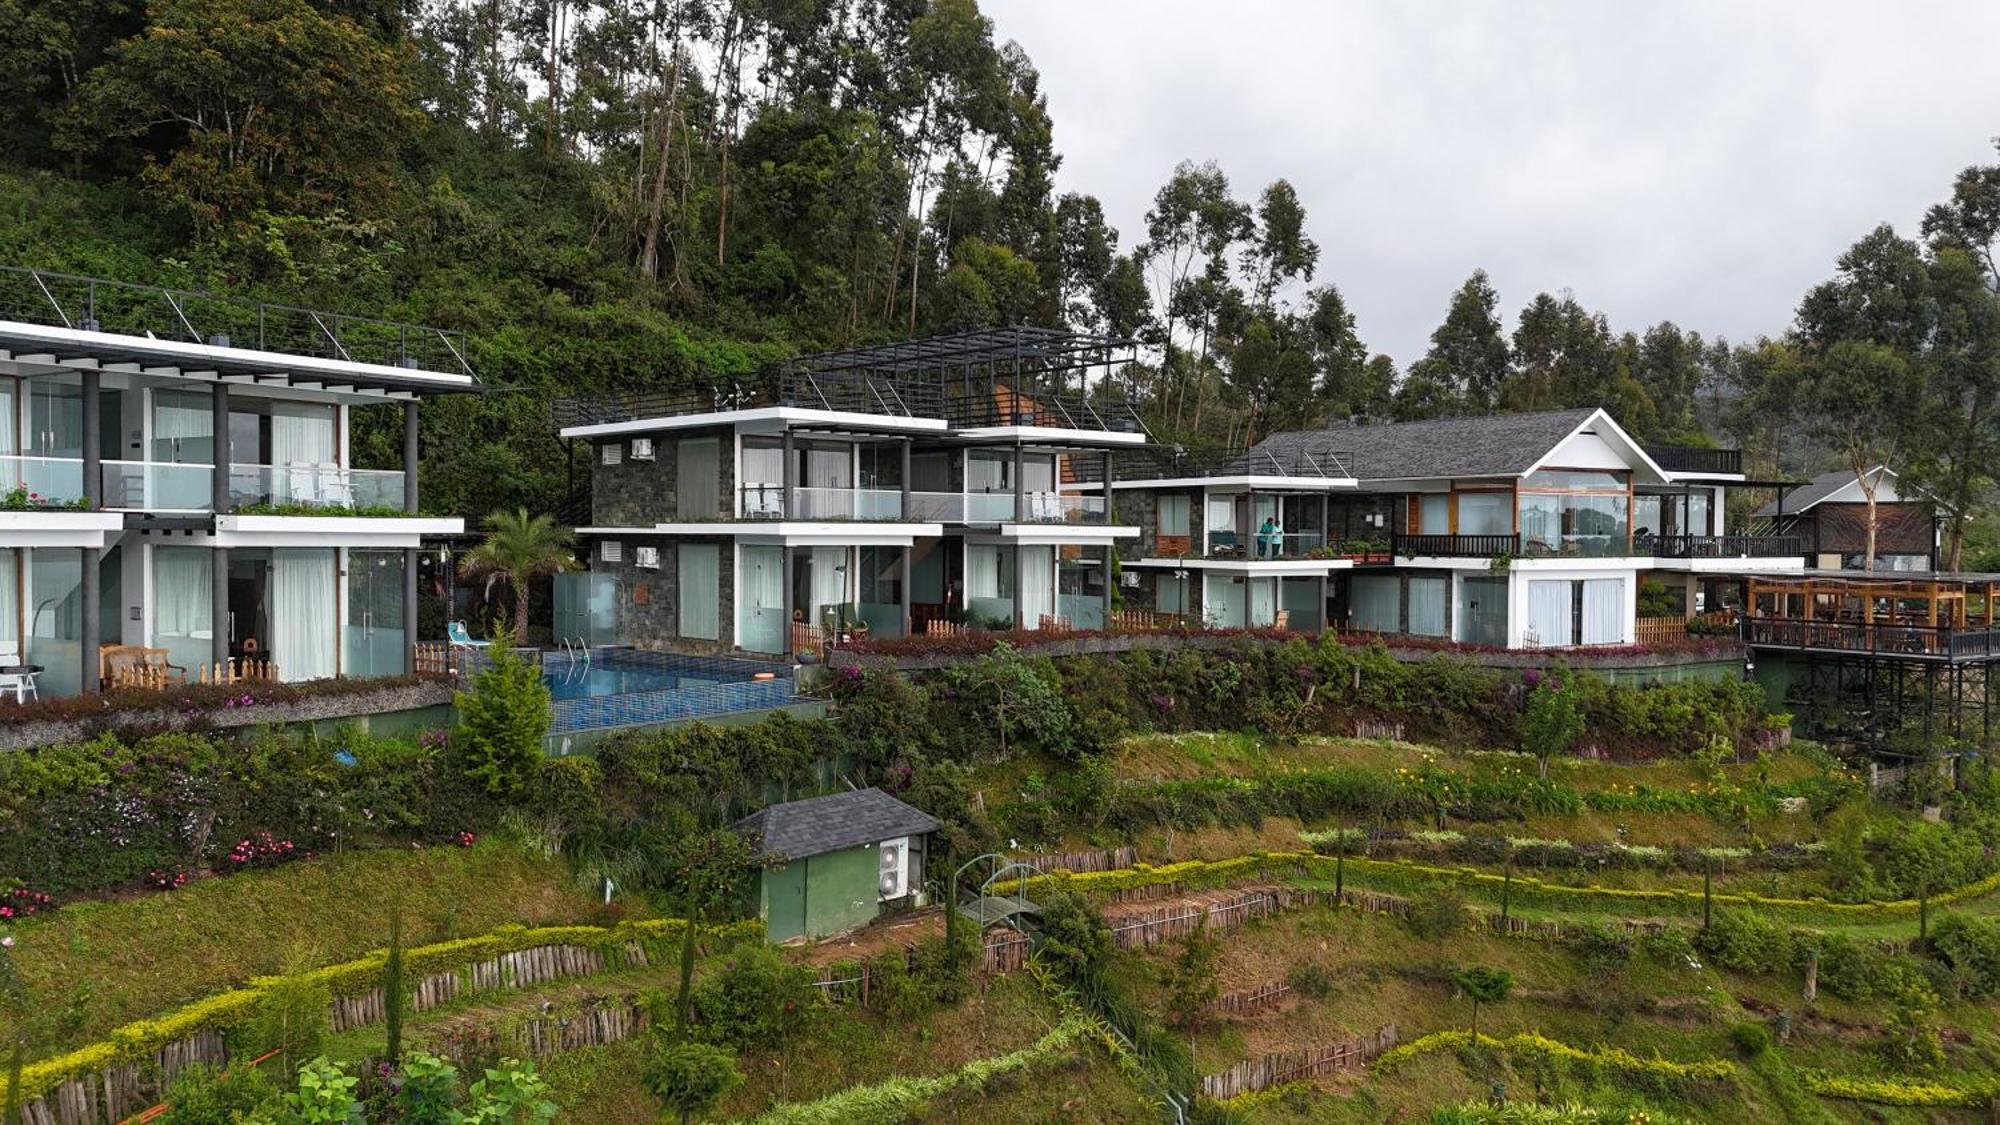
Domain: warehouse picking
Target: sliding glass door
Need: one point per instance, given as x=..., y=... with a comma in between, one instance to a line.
x=183, y=605
x=374, y=632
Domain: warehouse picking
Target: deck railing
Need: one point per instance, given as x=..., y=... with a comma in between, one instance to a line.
x=1886, y=638
x=1696, y=459
x=90, y=304
x=1722, y=546
x=1454, y=546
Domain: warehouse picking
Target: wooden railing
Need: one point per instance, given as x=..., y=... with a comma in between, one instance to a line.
x=942, y=628
x=237, y=670
x=1455, y=546
x=431, y=658
x=1660, y=630
x=1052, y=623
x=1143, y=620
x=1885, y=637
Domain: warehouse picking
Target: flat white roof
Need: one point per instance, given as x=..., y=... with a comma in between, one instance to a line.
x=54, y=349
x=775, y=417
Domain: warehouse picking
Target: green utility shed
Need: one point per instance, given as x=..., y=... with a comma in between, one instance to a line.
x=836, y=862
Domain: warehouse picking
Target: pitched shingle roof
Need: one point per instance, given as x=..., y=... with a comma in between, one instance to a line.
x=1813, y=492
x=1485, y=445
x=817, y=825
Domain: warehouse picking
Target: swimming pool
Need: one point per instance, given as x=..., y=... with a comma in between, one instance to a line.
x=627, y=687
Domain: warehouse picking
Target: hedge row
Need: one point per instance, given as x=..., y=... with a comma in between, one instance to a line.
x=901, y=1098
x=1403, y=876
x=1609, y=1058
x=225, y=1010
x=1889, y=1091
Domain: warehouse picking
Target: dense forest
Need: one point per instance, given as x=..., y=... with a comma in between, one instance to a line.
x=617, y=194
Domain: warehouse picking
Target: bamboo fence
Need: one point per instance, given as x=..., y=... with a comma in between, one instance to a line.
x=1277, y=1069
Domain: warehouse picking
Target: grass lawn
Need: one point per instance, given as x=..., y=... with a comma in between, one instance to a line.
x=94, y=966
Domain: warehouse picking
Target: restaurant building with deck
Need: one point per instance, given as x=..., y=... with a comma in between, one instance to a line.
x=1522, y=531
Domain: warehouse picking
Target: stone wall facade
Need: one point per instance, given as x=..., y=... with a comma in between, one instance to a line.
x=643, y=493
x=649, y=600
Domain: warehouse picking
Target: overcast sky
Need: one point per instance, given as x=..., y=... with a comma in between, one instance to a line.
x=1696, y=162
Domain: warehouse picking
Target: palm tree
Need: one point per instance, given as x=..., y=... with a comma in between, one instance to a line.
x=519, y=548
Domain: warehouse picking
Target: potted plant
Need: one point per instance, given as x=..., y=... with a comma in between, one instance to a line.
x=808, y=656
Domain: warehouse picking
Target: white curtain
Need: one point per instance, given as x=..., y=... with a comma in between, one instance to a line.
x=700, y=589
x=1434, y=514
x=302, y=595
x=1485, y=513
x=1604, y=611
x=183, y=592
x=829, y=580
x=1549, y=617
x=1221, y=513
x=982, y=572
x=1038, y=578
x=8, y=433
x=1427, y=597
x=10, y=605
x=1263, y=601
x=1374, y=603
x=301, y=440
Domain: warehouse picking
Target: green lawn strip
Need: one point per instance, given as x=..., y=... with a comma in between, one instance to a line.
x=95, y=965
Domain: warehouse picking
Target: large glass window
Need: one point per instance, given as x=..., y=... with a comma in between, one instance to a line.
x=1551, y=613
x=302, y=593
x=1427, y=603
x=1574, y=513
x=10, y=605
x=184, y=605
x=989, y=472
x=989, y=583
x=1375, y=603
x=1171, y=595
x=881, y=594
x=183, y=427
x=374, y=613
x=1485, y=513
x=1173, y=514
x=1434, y=514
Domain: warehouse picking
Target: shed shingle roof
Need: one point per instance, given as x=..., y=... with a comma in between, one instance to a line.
x=817, y=825
x=1483, y=445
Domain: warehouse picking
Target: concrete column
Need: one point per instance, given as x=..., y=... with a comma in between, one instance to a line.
x=1020, y=505
x=908, y=514
x=1020, y=553
x=219, y=566
x=1110, y=478
x=93, y=625
x=785, y=579
x=787, y=486
x=410, y=458
x=1110, y=579
x=93, y=470
x=410, y=597
x=909, y=564
x=219, y=482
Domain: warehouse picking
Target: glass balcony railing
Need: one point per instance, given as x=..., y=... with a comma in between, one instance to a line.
x=314, y=486
x=767, y=501
x=158, y=486
x=1263, y=544
x=164, y=486
x=49, y=480
x=937, y=507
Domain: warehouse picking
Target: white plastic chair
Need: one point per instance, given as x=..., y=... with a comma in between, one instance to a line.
x=22, y=684
x=302, y=483
x=334, y=486
x=763, y=501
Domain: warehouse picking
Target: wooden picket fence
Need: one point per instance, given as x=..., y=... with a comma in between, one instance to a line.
x=1145, y=621
x=1093, y=859
x=1050, y=623
x=237, y=670
x=1277, y=1069
x=1660, y=630
x=1005, y=951
x=519, y=969
x=1377, y=729
x=1213, y=910
x=1249, y=1001
x=116, y=1092
x=942, y=628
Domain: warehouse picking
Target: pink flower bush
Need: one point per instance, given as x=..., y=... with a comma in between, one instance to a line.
x=263, y=849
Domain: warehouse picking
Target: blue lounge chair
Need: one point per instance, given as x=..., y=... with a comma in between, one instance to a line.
x=455, y=632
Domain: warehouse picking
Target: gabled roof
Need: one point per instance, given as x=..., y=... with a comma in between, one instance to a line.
x=1822, y=488
x=1484, y=445
x=817, y=825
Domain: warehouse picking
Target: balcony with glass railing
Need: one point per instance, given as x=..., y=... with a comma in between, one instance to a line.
x=1263, y=545
x=166, y=486
x=767, y=502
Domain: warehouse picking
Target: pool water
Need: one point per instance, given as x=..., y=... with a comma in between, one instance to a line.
x=623, y=687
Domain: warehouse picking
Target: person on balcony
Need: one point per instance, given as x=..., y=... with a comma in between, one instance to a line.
x=1270, y=541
